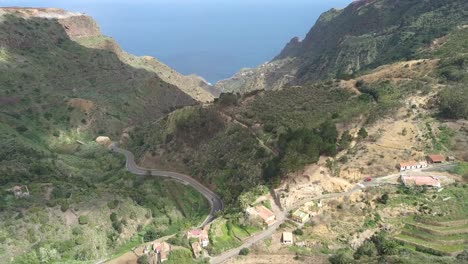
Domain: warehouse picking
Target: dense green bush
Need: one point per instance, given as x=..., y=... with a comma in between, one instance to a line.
x=341, y=257
x=227, y=99
x=143, y=259
x=384, y=245
x=244, y=252
x=298, y=232
x=83, y=219
x=366, y=249
x=150, y=235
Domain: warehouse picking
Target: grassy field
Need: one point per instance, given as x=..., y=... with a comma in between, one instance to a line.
x=224, y=235
x=441, y=228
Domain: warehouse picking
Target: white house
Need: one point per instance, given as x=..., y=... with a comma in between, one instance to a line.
x=411, y=165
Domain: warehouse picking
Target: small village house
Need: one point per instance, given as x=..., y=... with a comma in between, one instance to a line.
x=287, y=238
x=411, y=165
x=201, y=235
x=435, y=158
x=429, y=181
x=162, y=250
x=264, y=213
x=451, y=158
x=300, y=216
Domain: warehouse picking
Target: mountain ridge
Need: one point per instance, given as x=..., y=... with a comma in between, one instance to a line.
x=345, y=42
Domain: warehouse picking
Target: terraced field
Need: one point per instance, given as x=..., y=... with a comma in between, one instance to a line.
x=439, y=238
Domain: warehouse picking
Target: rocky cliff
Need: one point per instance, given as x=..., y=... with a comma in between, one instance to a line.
x=342, y=43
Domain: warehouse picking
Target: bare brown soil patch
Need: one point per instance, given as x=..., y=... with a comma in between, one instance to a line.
x=407, y=70
x=277, y=259
x=82, y=104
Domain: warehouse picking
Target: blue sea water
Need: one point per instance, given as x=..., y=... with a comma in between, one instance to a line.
x=211, y=38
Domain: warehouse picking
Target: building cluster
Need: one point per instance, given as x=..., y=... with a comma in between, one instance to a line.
x=157, y=252
x=432, y=159
x=202, y=240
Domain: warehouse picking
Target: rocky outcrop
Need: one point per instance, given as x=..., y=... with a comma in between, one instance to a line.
x=80, y=26
x=75, y=24
x=102, y=140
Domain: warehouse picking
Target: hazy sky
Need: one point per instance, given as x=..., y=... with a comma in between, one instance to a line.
x=212, y=38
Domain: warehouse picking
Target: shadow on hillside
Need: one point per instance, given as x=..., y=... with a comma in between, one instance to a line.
x=46, y=62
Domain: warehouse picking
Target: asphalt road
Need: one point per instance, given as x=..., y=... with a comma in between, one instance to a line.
x=216, y=203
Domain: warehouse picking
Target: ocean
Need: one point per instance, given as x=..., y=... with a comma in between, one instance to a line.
x=210, y=38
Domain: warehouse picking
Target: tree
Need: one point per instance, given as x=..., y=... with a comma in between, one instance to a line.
x=244, y=252
x=113, y=217
x=384, y=246
x=150, y=235
x=384, y=198
x=345, y=140
x=340, y=257
x=298, y=232
x=83, y=219
x=366, y=249
x=362, y=133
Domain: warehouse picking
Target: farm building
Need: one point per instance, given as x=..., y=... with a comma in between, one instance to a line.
x=430, y=181
x=411, y=165
x=300, y=216
x=264, y=213
x=435, y=158
x=162, y=250
x=287, y=238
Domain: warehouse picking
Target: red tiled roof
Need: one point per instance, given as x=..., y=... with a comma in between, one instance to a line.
x=409, y=163
x=436, y=158
x=422, y=180
x=264, y=212
x=195, y=232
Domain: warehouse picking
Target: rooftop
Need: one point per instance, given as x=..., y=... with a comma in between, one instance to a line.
x=436, y=157
x=421, y=180
x=264, y=212
x=287, y=236
x=300, y=214
x=409, y=163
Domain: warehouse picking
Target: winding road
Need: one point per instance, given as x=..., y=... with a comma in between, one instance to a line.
x=215, y=201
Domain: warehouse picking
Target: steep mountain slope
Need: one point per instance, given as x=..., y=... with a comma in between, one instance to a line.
x=362, y=36
x=327, y=136
x=65, y=198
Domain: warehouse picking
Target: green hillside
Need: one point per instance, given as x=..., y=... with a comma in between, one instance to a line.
x=56, y=96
